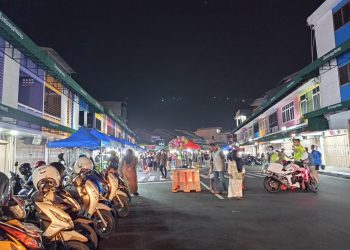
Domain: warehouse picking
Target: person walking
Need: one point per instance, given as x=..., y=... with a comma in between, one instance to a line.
x=113, y=161
x=316, y=158
x=218, y=164
x=128, y=171
x=61, y=159
x=234, y=170
x=163, y=162
x=157, y=162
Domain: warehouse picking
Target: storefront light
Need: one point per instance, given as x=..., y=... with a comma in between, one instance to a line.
x=293, y=135
x=284, y=128
x=14, y=132
x=250, y=139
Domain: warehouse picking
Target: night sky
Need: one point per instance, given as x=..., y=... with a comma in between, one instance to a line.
x=178, y=64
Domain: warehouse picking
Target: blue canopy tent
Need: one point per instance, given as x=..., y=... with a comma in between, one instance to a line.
x=82, y=138
x=105, y=140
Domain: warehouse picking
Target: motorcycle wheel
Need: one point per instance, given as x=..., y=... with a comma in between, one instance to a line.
x=102, y=231
x=74, y=245
x=271, y=185
x=123, y=209
x=89, y=233
x=313, y=185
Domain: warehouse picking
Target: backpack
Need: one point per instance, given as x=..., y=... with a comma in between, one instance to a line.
x=114, y=163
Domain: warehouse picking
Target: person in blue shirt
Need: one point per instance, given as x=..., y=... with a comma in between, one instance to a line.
x=316, y=157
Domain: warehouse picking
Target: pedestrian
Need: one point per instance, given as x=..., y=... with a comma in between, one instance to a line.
x=234, y=169
x=61, y=159
x=128, y=171
x=157, y=162
x=317, y=156
x=218, y=165
x=298, y=151
x=316, y=159
x=149, y=162
x=162, y=165
x=113, y=161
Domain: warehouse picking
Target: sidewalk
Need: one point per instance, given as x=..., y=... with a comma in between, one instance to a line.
x=336, y=172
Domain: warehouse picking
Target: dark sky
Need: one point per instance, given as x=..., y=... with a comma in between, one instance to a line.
x=178, y=64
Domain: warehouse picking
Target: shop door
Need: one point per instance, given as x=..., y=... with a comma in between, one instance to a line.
x=337, y=151
x=3, y=159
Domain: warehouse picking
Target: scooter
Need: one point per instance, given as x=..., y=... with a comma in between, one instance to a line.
x=82, y=186
x=57, y=225
x=13, y=233
x=21, y=236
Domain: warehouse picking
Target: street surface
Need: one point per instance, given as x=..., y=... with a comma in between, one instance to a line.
x=160, y=219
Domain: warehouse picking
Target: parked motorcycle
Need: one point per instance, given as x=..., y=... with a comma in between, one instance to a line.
x=18, y=235
x=289, y=177
x=13, y=233
x=83, y=187
x=57, y=225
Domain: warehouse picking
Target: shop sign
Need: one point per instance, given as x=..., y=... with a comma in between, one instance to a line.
x=37, y=140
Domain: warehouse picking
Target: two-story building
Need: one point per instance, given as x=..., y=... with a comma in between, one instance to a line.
x=312, y=104
x=41, y=102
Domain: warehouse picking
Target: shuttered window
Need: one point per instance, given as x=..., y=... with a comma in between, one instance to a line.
x=52, y=103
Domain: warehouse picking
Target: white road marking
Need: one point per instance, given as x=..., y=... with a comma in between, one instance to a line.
x=140, y=179
x=217, y=195
x=155, y=182
x=204, y=176
x=340, y=178
x=250, y=176
x=151, y=178
x=256, y=175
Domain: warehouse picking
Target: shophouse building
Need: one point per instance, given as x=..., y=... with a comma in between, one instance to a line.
x=312, y=104
x=40, y=101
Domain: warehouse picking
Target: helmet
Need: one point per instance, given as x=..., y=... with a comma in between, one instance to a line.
x=39, y=164
x=46, y=174
x=25, y=169
x=83, y=163
x=60, y=168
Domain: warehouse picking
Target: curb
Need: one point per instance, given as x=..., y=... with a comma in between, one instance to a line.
x=340, y=175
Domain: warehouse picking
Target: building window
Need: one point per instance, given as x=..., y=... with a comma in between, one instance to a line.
x=288, y=112
x=256, y=128
x=30, y=92
x=98, y=124
x=81, y=118
x=52, y=103
x=316, y=98
x=303, y=104
x=273, y=122
x=250, y=132
x=263, y=126
x=344, y=74
x=342, y=16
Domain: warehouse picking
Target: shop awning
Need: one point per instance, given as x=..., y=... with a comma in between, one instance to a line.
x=80, y=139
x=306, y=73
x=104, y=139
x=10, y=112
x=329, y=109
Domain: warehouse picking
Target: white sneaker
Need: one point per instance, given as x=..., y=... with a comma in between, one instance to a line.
x=162, y=178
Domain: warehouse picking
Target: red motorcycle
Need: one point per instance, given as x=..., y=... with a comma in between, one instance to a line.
x=290, y=177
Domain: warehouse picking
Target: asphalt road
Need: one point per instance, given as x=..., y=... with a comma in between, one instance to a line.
x=160, y=219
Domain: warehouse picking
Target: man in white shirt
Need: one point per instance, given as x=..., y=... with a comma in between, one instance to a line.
x=218, y=168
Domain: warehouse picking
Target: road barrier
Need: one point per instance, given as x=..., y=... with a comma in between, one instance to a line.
x=186, y=180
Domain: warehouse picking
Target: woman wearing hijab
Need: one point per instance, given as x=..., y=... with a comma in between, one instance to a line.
x=128, y=171
x=234, y=169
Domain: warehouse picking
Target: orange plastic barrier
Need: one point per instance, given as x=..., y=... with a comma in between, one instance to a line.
x=186, y=180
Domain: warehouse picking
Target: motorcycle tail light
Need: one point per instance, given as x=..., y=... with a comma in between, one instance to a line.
x=283, y=187
x=28, y=241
